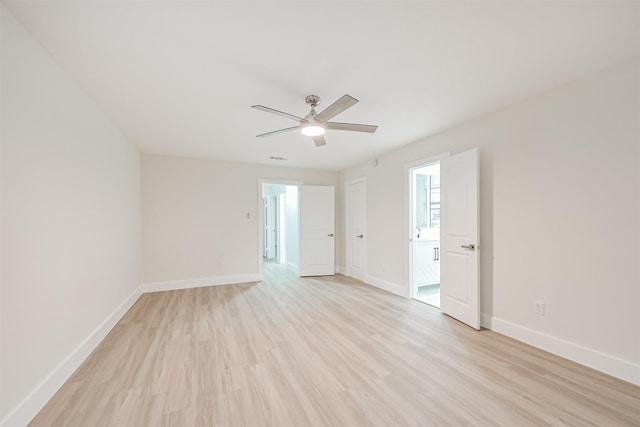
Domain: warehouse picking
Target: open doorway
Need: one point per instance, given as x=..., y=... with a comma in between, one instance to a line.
x=442, y=221
x=425, y=232
x=280, y=225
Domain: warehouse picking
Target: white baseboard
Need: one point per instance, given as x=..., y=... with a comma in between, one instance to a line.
x=199, y=283
x=387, y=286
x=485, y=321
x=606, y=363
x=341, y=270
x=40, y=395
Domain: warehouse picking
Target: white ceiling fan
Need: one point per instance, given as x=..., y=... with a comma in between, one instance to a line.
x=314, y=124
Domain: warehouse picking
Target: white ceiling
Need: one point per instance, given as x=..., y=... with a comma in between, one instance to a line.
x=179, y=77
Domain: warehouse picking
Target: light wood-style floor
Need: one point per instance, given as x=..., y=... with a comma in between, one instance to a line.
x=323, y=351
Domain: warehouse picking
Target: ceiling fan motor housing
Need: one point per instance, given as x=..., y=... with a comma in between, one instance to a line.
x=312, y=100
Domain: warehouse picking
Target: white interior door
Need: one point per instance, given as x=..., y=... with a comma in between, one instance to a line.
x=356, y=224
x=460, y=290
x=282, y=230
x=317, y=228
x=265, y=229
x=270, y=227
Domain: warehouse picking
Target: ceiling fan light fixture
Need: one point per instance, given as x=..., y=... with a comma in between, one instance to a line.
x=315, y=124
x=312, y=129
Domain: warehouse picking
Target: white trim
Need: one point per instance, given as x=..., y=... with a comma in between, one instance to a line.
x=427, y=160
x=40, y=395
x=387, y=286
x=485, y=321
x=612, y=365
x=340, y=269
x=199, y=283
x=347, y=240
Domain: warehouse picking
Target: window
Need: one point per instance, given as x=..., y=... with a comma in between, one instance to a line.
x=428, y=201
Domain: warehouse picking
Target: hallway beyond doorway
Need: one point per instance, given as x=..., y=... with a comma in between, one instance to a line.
x=429, y=294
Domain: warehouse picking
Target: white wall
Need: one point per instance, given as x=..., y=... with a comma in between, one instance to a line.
x=560, y=217
x=195, y=226
x=70, y=226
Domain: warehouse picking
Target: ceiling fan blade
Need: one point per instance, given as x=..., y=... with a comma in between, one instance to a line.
x=278, y=131
x=279, y=113
x=336, y=108
x=355, y=127
x=319, y=140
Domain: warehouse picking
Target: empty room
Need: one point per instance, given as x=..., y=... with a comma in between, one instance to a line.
x=336, y=213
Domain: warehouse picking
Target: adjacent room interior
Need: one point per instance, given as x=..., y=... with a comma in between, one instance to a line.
x=281, y=225
x=425, y=226
x=252, y=213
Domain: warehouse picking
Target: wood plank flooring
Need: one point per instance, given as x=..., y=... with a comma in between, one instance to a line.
x=323, y=351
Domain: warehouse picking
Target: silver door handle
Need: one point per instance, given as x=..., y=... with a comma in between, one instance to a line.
x=471, y=247
x=360, y=236
x=330, y=235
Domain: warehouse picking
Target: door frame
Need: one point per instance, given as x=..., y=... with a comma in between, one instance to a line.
x=260, y=210
x=408, y=216
x=347, y=245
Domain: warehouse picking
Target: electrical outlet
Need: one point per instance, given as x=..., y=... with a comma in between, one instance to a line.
x=539, y=308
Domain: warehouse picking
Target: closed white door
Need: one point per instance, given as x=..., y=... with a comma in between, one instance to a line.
x=356, y=224
x=460, y=289
x=317, y=228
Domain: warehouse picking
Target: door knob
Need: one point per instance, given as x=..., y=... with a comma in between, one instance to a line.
x=360, y=236
x=470, y=246
x=330, y=235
